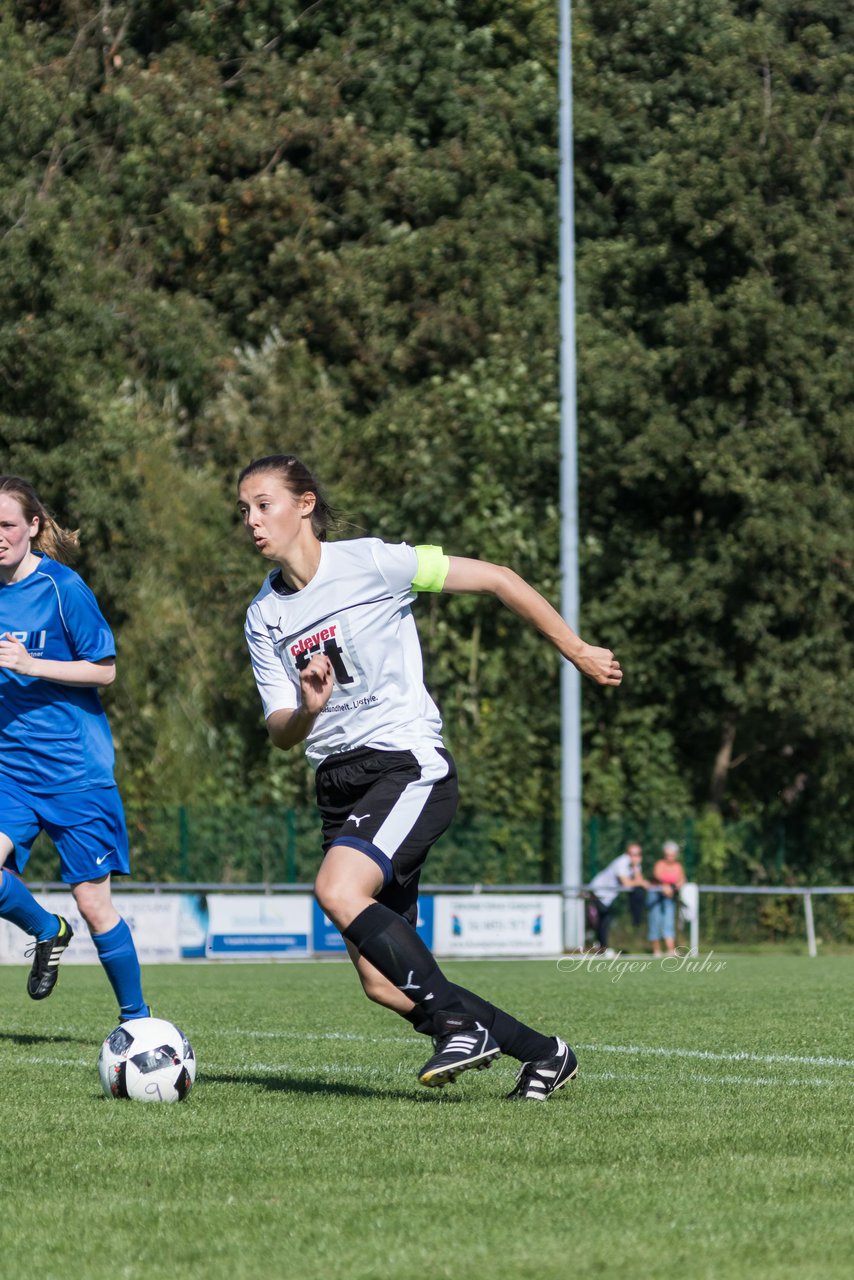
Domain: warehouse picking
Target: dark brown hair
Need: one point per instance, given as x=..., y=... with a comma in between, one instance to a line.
x=56, y=542
x=296, y=476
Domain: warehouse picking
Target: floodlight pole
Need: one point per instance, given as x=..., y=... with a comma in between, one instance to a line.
x=570, y=692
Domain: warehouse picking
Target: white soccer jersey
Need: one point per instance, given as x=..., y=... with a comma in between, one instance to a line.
x=607, y=884
x=356, y=610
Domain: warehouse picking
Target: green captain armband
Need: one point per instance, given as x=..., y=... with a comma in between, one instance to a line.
x=433, y=566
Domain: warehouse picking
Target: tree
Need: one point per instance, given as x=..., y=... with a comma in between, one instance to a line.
x=716, y=384
x=229, y=230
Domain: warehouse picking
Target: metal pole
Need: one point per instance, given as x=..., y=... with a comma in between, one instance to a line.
x=184, y=841
x=571, y=875
x=811, y=948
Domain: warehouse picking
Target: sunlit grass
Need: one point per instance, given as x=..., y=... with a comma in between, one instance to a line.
x=708, y=1133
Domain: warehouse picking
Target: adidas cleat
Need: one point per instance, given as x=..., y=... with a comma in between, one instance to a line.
x=462, y=1045
x=538, y=1080
x=45, y=970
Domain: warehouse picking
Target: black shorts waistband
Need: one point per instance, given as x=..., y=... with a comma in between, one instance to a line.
x=361, y=754
x=358, y=754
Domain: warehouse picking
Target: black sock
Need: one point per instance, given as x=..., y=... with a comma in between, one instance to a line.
x=421, y=1024
x=392, y=945
x=519, y=1041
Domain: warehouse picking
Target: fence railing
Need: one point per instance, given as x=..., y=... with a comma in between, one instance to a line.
x=250, y=842
x=750, y=916
x=726, y=915
x=775, y=913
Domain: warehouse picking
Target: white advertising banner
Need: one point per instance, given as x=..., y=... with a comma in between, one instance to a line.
x=152, y=918
x=495, y=924
x=258, y=926
x=170, y=926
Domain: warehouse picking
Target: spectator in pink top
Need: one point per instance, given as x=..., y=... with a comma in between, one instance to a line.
x=668, y=877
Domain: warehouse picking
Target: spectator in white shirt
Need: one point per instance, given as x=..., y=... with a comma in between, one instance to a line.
x=625, y=872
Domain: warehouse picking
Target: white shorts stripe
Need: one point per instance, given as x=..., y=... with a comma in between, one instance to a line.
x=408, y=809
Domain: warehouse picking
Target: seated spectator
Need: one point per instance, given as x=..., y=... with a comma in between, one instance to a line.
x=668, y=877
x=623, y=873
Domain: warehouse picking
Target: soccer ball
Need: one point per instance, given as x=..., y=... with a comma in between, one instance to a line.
x=147, y=1059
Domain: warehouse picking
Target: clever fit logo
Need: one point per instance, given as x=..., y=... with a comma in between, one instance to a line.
x=325, y=640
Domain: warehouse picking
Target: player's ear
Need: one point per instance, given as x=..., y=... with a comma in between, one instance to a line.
x=308, y=501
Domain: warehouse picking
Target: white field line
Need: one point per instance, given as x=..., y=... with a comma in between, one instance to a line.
x=341, y=1068
x=331, y=1070
x=708, y=1056
x=317, y=1035
x=42, y=1060
x=325, y=1069
x=637, y=1051
x=634, y=1050
x=698, y=1078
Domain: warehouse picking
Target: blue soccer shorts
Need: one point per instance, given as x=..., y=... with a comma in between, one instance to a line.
x=87, y=827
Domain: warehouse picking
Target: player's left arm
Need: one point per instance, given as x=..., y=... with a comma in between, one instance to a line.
x=78, y=672
x=480, y=577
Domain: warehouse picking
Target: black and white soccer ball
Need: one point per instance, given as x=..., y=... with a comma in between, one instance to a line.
x=147, y=1059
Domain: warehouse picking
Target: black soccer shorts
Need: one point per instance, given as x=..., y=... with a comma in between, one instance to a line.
x=391, y=806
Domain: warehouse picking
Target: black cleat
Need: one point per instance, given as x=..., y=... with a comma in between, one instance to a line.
x=45, y=970
x=134, y=1017
x=462, y=1044
x=537, y=1080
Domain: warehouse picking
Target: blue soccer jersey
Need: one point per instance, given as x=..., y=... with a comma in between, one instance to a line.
x=54, y=737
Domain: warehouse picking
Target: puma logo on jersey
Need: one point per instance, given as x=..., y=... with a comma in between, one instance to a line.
x=353, y=818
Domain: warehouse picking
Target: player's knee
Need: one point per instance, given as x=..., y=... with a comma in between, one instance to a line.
x=95, y=906
x=335, y=899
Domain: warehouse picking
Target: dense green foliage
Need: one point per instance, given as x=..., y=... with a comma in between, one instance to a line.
x=706, y=1134
x=247, y=227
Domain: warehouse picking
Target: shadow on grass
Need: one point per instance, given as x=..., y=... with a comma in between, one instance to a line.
x=30, y=1037
x=331, y=1088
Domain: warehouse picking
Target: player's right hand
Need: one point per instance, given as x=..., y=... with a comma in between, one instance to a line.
x=316, y=683
x=599, y=664
x=14, y=656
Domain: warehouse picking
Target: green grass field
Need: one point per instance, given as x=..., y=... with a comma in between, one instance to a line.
x=709, y=1133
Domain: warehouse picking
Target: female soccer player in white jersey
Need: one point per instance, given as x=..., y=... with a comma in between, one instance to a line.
x=56, y=750
x=338, y=665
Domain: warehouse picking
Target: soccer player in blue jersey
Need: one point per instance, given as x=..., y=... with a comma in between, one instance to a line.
x=337, y=662
x=56, y=749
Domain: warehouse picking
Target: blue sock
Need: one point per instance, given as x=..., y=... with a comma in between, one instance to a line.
x=18, y=905
x=117, y=954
